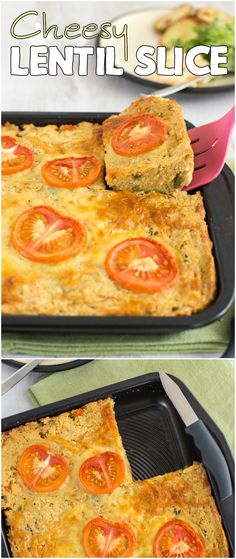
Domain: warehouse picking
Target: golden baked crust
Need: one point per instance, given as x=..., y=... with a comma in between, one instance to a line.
x=51, y=142
x=145, y=506
x=51, y=524
x=76, y=437
x=165, y=168
x=184, y=495
x=81, y=285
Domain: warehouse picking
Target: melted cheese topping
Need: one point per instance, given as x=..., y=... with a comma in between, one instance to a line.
x=81, y=285
x=76, y=438
x=50, y=142
x=52, y=524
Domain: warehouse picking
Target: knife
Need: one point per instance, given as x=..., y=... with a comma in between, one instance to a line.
x=19, y=375
x=212, y=456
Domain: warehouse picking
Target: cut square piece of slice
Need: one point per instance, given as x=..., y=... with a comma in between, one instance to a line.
x=147, y=147
x=173, y=515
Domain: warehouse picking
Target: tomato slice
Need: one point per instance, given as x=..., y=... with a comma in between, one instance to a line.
x=72, y=172
x=15, y=158
x=41, y=470
x=142, y=265
x=103, y=473
x=44, y=235
x=139, y=134
x=103, y=538
x=177, y=539
x=67, y=126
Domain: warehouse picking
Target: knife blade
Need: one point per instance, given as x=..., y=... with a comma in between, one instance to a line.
x=211, y=453
x=19, y=375
x=177, y=398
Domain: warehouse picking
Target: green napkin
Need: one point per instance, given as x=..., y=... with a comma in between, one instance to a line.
x=209, y=339
x=231, y=163
x=211, y=382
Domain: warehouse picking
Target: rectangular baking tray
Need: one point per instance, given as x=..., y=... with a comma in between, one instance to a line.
x=218, y=197
x=152, y=432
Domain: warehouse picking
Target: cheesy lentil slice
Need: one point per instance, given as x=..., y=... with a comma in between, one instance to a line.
x=76, y=436
x=184, y=495
x=165, y=168
x=145, y=506
x=52, y=142
x=81, y=285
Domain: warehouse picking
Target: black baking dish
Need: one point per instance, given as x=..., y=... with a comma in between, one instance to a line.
x=218, y=197
x=152, y=431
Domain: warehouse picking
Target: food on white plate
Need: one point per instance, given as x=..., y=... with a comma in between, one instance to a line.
x=218, y=32
x=205, y=26
x=173, y=16
x=184, y=29
x=207, y=15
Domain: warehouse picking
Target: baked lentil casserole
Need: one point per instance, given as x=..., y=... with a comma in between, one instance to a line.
x=68, y=492
x=90, y=251
x=81, y=285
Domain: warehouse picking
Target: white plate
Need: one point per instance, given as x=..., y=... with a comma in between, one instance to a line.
x=141, y=32
x=48, y=365
x=45, y=362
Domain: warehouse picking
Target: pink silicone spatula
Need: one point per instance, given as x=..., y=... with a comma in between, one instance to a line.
x=209, y=144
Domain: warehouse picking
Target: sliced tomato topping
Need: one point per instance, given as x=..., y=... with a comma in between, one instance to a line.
x=103, y=473
x=15, y=158
x=177, y=539
x=72, y=172
x=139, y=134
x=103, y=538
x=44, y=235
x=142, y=265
x=78, y=412
x=67, y=126
x=41, y=470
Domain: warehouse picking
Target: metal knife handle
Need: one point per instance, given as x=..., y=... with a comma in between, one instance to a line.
x=19, y=375
x=170, y=90
x=212, y=457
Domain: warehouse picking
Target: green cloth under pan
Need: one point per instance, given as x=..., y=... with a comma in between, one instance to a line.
x=210, y=381
x=209, y=339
